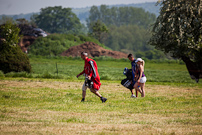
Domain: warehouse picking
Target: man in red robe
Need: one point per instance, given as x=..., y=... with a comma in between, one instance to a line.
x=92, y=80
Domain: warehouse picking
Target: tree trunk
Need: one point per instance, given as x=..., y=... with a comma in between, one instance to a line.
x=194, y=68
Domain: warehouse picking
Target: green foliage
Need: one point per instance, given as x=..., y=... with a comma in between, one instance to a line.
x=55, y=44
x=11, y=56
x=178, y=29
x=18, y=74
x=1, y=74
x=131, y=38
x=9, y=34
x=58, y=20
x=5, y=19
x=120, y=16
x=13, y=59
x=151, y=54
x=22, y=21
x=98, y=30
x=128, y=29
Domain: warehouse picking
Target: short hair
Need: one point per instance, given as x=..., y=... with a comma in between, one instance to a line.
x=84, y=53
x=130, y=55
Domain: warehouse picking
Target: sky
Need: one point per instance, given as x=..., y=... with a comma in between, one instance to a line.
x=14, y=7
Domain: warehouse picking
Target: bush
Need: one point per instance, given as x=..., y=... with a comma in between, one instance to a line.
x=55, y=44
x=11, y=56
x=1, y=74
x=19, y=74
x=13, y=59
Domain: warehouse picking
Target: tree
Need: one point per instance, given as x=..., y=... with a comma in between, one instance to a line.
x=98, y=30
x=120, y=16
x=22, y=21
x=178, y=30
x=128, y=37
x=57, y=20
x=11, y=56
x=6, y=19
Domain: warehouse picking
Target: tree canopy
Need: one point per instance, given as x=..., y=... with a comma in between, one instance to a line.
x=128, y=28
x=58, y=20
x=178, y=30
x=98, y=30
x=119, y=16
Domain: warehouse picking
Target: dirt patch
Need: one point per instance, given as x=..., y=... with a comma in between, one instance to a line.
x=93, y=50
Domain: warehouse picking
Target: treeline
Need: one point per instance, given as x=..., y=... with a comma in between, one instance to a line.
x=123, y=29
x=118, y=16
x=128, y=29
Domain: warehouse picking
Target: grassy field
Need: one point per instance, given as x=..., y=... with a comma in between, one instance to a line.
x=42, y=106
x=68, y=68
x=33, y=104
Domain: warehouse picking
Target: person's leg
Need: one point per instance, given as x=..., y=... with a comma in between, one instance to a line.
x=131, y=90
x=98, y=94
x=142, y=88
x=95, y=92
x=142, y=85
x=137, y=89
x=136, y=92
x=84, y=92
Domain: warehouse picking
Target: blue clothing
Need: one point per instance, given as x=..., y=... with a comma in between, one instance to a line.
x=133, y=66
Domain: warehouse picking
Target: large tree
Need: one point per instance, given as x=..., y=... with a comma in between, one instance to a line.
x=178, y=30
x=98, y=30
x=57, y=20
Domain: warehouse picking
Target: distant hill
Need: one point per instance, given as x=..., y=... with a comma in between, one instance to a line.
x=83, y=13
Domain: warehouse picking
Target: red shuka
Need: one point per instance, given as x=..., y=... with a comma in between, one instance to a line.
x=90, y=69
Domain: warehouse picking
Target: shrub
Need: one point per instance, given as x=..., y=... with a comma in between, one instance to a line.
x=1, y=74
x=55, y=44
x=11, y=56
x=19, y=74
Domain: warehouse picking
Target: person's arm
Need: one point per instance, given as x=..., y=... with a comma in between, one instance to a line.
x=81, y=73
x=92, y=70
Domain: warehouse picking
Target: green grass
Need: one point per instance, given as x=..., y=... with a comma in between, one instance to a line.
x=109, y=69
x=52, y=106
x=47, y=102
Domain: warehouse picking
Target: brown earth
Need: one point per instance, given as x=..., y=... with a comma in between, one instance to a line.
x=93, y=50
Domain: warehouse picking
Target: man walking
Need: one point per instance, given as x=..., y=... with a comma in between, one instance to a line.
x=133, y=66
x=92, y=80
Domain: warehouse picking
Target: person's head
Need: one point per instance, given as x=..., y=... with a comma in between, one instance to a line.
x=130, y=57
x=84, y=55
x=139, y=61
